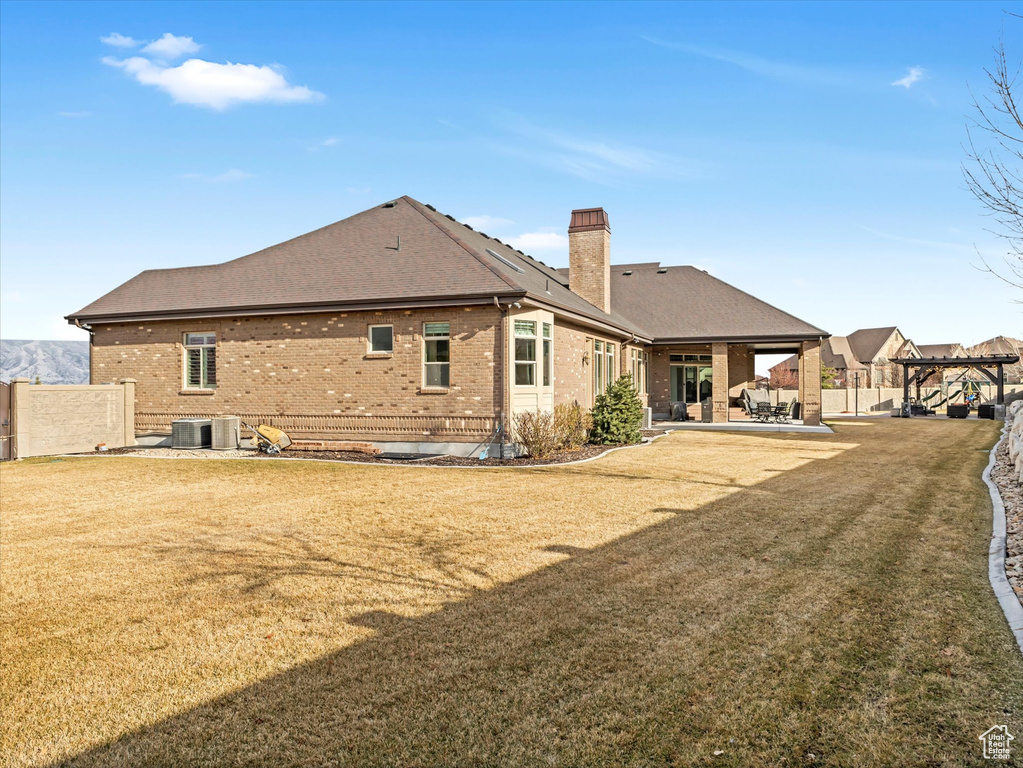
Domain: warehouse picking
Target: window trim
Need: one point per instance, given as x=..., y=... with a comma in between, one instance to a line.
x=547, y=352
x=515, y=353
x=369, y=340
x=435, y=337
x=185, y=347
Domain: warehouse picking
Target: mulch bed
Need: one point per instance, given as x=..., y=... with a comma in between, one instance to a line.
x=561, y=457
x=1003, y=473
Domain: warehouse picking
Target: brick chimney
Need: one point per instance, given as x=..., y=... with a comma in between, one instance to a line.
x=589, y=256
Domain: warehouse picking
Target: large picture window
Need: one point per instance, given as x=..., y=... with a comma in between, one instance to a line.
x=548, y=354
x=525, y=353
x=200, y=361
x=436, y=354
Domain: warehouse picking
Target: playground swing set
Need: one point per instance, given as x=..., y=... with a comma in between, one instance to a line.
x=957, y=403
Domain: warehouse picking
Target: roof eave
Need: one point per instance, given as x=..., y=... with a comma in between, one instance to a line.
x=745, y=339
x=293, y=309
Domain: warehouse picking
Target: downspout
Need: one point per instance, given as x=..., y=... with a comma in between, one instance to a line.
x=504, y=373
x=92, y=335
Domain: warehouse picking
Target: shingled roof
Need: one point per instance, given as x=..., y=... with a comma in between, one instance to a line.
x=401, y=251
x=685, y=304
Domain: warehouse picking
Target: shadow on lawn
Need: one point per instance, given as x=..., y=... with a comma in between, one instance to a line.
x=624, y=653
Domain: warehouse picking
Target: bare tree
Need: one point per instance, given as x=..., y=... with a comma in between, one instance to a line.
x=994, y=167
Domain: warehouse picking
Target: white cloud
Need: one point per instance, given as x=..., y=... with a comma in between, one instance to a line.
x=914, y=75
x=13, y=297
x=487, y=223
x=758, y=65
x=118, y=40
x=227, y=176
x=217, y=86
x=329, y=142
x=540, y=241
x=171, y=47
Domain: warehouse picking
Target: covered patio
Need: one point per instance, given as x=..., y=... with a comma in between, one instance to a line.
x=705, y=382
x=706, y=336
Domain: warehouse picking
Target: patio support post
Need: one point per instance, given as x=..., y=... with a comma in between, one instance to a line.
x=719, y=392
x=1001, y=385
x=810, y=379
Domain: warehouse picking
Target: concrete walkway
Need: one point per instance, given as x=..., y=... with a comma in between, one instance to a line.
x=743, y=426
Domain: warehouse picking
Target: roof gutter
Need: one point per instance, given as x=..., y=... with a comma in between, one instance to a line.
x=290, y=309
x=557, y=309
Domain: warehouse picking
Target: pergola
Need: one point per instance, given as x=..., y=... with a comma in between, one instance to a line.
x=991, y=366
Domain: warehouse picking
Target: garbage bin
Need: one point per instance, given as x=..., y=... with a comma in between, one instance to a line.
x=797, y=410
x=707, y=411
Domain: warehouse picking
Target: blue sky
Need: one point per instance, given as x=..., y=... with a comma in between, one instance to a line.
x=807, y=153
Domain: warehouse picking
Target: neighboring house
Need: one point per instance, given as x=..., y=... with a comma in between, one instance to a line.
x=868, y=352
x=1001, y=345
x=953, y=349
x=401, y=325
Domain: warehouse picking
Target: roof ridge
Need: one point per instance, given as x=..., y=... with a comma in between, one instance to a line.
x=415, y=205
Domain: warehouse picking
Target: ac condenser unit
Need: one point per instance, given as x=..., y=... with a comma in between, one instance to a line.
x=227, y=433
x=191, y=433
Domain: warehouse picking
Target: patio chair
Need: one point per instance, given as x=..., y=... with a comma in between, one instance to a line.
x=783, y=413
x=764, y=412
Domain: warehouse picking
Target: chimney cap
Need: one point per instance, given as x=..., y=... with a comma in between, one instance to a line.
x=588, y=220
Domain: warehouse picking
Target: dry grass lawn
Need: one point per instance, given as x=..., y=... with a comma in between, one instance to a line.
x=782, y=600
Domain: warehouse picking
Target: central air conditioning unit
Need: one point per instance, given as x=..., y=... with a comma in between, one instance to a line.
x=191, y=433
x=227, y=433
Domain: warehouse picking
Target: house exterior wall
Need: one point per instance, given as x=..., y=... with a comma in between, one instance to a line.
x=660, y=374
x=572, y=377
x=312, y=375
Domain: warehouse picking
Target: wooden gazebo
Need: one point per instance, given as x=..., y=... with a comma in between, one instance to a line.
x=992, y=366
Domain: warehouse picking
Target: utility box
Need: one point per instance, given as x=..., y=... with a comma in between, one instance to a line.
x=226, y=433
x=191, y=433
x=707, y=411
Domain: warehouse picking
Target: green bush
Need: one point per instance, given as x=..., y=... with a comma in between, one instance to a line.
x=535, y=431
x=572, y=425
x=617, y=414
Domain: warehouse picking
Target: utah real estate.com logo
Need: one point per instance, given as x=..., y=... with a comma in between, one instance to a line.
x=996, y=742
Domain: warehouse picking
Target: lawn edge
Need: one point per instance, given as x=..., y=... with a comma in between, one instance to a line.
x=1007, y=599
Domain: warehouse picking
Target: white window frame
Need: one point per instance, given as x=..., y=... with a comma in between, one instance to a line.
x=598, y=367
x=530, y=365
x=436, y=337
x=547, y=352
x=609, y=363
x=203, y=360
x=369, y=340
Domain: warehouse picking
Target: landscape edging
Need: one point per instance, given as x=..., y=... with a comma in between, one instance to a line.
x=1011, y=606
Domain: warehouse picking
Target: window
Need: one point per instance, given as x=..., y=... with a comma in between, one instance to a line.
x=381, y=338
x=200, y=361
x=604, y=371
x=525, y=353
x=638, y=367
x=548, y=356
x=436, y=354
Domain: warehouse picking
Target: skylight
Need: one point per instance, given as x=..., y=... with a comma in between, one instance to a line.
x=505, y=261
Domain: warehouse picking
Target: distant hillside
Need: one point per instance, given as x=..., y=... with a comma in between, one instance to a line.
x=54, y=362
